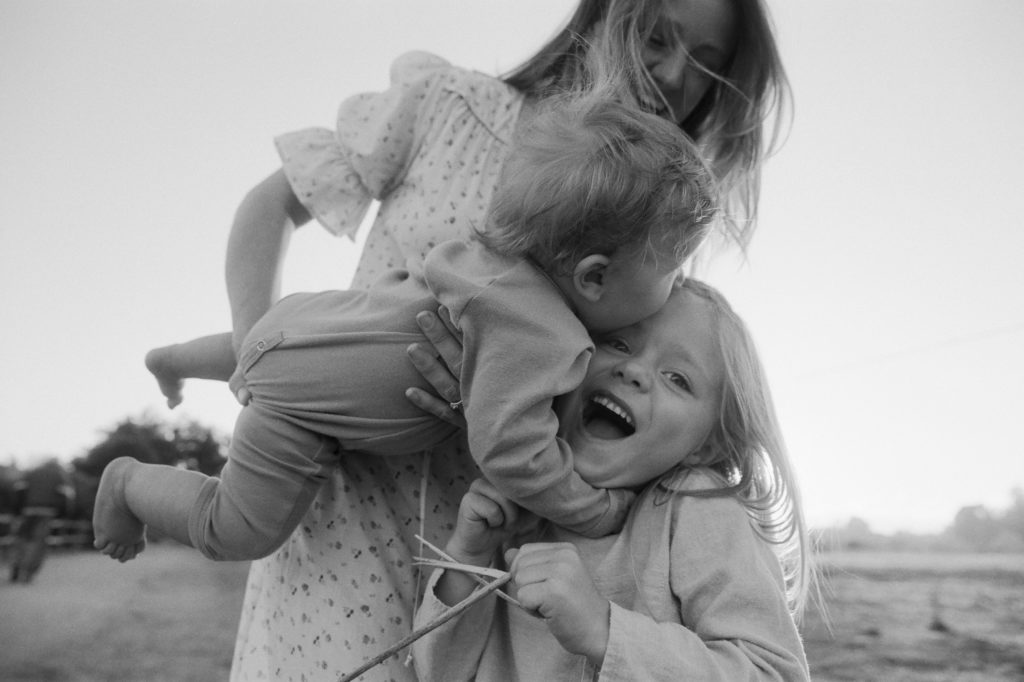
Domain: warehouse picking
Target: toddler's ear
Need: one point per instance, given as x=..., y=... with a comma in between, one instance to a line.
x=588, y=277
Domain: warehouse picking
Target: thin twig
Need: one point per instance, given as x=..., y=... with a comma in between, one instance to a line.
x=491, y=573
x=434, y=624
x=441, y=553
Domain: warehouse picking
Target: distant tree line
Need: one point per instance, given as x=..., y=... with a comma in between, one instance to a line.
x=975, y=528
x=191, y=445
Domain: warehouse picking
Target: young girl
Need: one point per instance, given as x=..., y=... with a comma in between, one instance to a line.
x=598, y=207
x=712, y=561
x=429, y=148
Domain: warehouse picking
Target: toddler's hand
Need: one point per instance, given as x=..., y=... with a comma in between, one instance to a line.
x=243, y=396
x=551, y=579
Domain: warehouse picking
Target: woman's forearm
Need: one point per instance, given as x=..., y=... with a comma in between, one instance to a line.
x=256, y=248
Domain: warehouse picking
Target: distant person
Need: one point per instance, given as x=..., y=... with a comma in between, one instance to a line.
x=429, y=148
x=598, y=206
x=695, y=585
x=44, y=493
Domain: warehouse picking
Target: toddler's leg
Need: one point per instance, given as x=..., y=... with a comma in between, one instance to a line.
x=275, y=467
x=207, y=357
x=133, y=495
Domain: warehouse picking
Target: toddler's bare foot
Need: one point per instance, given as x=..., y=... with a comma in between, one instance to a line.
x=158, y=361
x=119, y=533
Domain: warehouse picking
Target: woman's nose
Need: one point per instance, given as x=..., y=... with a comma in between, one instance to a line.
x=670, y=70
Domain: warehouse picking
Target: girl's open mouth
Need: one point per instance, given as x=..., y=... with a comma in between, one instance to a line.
x=606, y=418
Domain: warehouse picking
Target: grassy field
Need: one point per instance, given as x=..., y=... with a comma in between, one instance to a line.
x=171, y=615
x=919, y=617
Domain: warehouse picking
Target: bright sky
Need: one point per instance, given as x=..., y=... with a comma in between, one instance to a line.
x=885, y=284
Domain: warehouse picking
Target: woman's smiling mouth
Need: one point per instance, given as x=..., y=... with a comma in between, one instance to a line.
x=604, y=417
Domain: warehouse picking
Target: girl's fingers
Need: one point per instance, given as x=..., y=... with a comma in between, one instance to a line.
x=538, y=562
x=508, y=509
x=483, y=509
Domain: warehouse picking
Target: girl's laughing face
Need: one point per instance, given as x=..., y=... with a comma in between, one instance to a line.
x=650, y=398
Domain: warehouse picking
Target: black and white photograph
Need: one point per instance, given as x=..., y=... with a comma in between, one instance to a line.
x=289, y=286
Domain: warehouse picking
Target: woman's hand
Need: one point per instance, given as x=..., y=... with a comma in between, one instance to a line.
x=550, y=578
x=440, y=364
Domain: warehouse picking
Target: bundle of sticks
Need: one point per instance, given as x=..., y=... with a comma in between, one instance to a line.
x=491, y=581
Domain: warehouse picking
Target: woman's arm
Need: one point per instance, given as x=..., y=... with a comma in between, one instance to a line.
x=256, y=248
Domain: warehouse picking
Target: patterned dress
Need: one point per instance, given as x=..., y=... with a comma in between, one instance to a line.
x=342, y=588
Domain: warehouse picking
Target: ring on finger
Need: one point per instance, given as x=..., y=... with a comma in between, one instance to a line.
x=456, y=406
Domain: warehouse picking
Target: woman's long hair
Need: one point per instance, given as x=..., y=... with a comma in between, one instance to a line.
x=751, y=95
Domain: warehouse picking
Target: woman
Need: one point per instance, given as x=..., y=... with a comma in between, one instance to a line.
x=342, y=587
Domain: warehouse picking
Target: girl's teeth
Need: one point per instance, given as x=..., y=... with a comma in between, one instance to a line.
x=612, y=406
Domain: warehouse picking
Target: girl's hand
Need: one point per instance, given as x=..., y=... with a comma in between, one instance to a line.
x=550, y=578
x=440, y=363
x=486, y=519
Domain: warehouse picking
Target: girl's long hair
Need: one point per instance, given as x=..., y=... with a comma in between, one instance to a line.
x=746, y=449
x=750, y=97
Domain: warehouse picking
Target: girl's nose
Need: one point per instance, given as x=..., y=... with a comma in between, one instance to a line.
x=633, y=373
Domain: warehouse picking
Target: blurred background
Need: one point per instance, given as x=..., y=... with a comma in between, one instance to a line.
x=883, y=284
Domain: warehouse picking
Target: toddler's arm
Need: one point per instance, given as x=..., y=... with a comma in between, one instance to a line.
x=554, y=487
x=519, y=357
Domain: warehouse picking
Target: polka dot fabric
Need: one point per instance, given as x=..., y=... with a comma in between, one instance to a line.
x=342, y=588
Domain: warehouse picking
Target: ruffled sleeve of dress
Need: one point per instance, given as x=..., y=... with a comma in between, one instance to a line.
x=336, y=174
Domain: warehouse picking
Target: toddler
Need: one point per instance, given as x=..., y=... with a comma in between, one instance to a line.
x=598, y=206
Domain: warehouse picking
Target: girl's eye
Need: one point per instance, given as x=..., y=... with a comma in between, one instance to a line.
x=679, y=380
x=617, y=344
